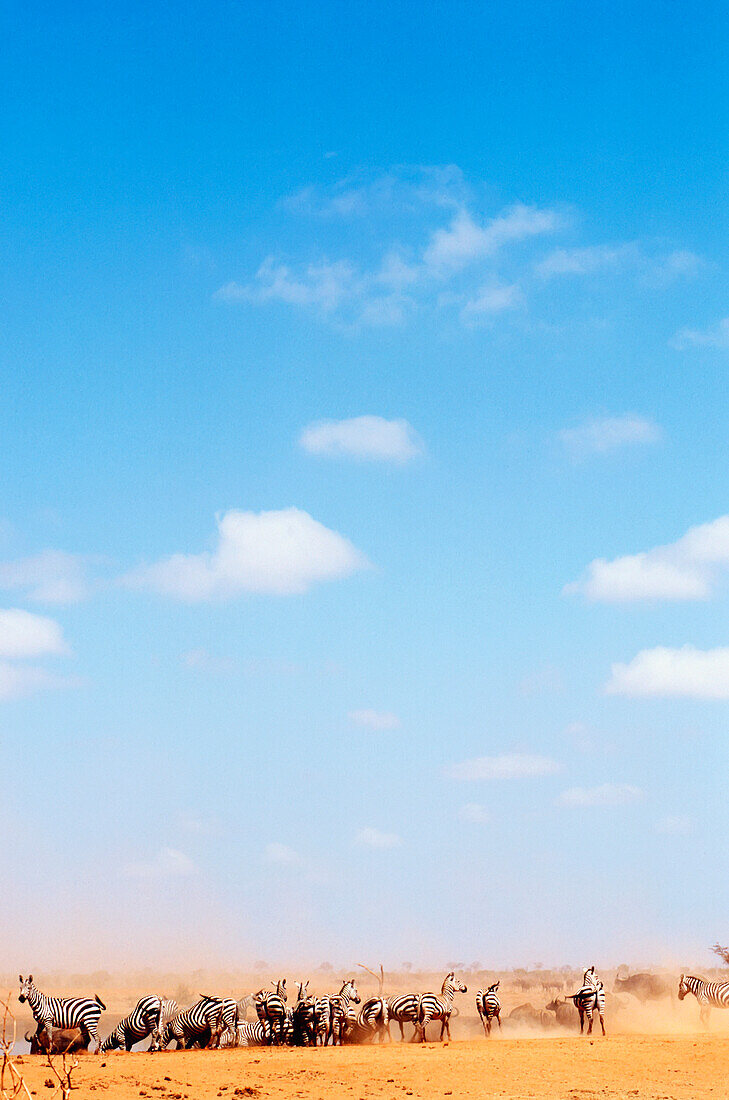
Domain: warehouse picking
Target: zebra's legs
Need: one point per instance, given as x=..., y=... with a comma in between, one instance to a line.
x=602, y=1023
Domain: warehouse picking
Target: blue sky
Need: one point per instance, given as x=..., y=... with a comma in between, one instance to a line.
x=363, y=537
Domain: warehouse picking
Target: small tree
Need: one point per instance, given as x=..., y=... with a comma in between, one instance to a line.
x=12, y=1084
x=722, y=952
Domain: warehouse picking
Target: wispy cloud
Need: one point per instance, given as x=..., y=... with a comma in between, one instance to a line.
x=474, y=813
x=374, y=719
x=716, y=336
x=514, y=765
x=686, y=672
x=650, y=267
x=688, y=569
x=601, y=435
x=492, y=299
x=365, y=437
x=405, y=189
x=280, y=553
x=585, y=261
x=167, y=863
x=674, y=825
x=49, y=577
x=465, y=240
x=607, y=794
x=282, y=854
x=19, y=681
x=374, y=838
x=200, y=660
x=23, y=634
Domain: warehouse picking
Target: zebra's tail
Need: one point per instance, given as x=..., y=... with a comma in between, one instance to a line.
x=99, y=1001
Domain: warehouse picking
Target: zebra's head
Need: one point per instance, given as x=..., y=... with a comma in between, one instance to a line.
x=494, y=987
x=349, y=989
x=302, y=988
x=453, y=984
x=683, y=987
x=26, y=986
x=589, y=976
x=281, y=989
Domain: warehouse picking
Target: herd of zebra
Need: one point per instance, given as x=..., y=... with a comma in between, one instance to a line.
x=72, y=1023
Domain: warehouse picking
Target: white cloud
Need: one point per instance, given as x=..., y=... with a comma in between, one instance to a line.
x=474, y=813
x=199, y=660
x=609, y=433
x=23, y=634
x=713, y=337
x=491, y=299
x=680, y=264
x=374, y=719
x=366, y=437
x=584, y=261
x=18, y=681
x=281, y=854
x=677, y=825
x=408, y=189
x=167, y=863
x=49, y=577
x=464, y=241
x=652, y=270
x=515, y=765
x=687, y=569
x=281, y=553
x=373, y=838
x=324, y=285
x=608, y=794
x=687, y=672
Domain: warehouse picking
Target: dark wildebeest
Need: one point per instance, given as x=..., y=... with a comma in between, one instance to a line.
x=63, y=1041
x=646, y=987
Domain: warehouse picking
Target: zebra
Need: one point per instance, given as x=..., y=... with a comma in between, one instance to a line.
x=339, y=1010
x=404, y=1009
x=243, y=1005
x=271, y=1009
x=322, y=1020
x=251, y=1035
x=371, y=1022
x=589, y=999
x=63, y=1012
x=439, y=1008
x=197, y=1024
x=224, y=1021
x=488, y=1007
x=708, y=994
x=303, y=1017
x=142, y=1021
x=168, y=1010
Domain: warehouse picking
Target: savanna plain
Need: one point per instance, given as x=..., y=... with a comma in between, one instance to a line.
x=654, y=1050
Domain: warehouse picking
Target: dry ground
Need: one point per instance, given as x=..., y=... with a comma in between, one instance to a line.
x=657, y=1067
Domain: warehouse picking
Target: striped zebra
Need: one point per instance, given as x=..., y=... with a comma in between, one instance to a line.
x=271, y=1010
x=168, y=1010
x=488, y=1007
x=371, y=1022
x=708, y=994
x=194, y=1025
x=251, y=1035
x=589, y=999
x=224, y=1021
x=304, y=1017
x=339, y=1009
x=439, y=1008
x=142, y=1021
x=63, y=1012
x=243, y=1005
x=322, y=1021
x=404, y=1009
